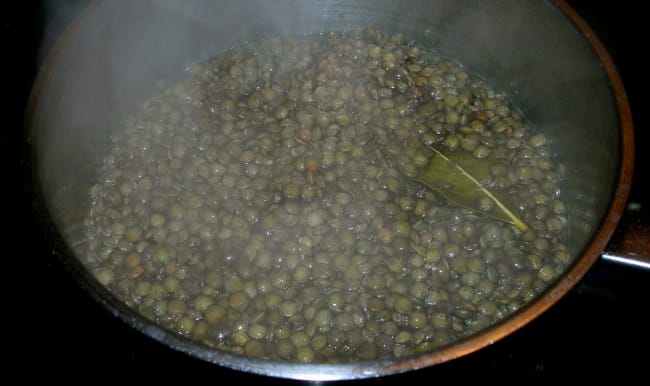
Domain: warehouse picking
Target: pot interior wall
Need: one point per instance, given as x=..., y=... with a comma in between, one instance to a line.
x=121, y=49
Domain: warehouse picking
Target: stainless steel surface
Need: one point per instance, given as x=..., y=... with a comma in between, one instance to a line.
x=121, y=48
x=626, y=260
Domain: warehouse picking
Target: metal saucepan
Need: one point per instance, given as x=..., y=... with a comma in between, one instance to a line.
x=563, y=79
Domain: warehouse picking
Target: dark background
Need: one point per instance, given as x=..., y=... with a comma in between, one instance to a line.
x=50, y=326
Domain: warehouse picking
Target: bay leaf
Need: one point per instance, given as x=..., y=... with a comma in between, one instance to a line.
x=458, y=175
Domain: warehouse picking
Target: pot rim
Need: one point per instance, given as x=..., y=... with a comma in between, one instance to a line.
x=362, y=369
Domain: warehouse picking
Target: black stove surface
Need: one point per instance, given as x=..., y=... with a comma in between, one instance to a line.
x=57, y=331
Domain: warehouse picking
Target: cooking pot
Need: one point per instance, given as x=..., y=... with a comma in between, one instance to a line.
x=558, y=72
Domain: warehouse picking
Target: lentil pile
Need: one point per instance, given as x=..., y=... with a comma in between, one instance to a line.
x=264, y=204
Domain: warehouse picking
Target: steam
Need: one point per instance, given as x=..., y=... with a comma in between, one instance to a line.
x=58, y=16
x=120, y=49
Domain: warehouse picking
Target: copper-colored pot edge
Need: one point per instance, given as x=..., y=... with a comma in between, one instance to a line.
x=544, y=302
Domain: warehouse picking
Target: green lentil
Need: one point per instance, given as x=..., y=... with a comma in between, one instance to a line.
x=289, y=225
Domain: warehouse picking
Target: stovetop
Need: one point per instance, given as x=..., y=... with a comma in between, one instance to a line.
x=55, y=329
